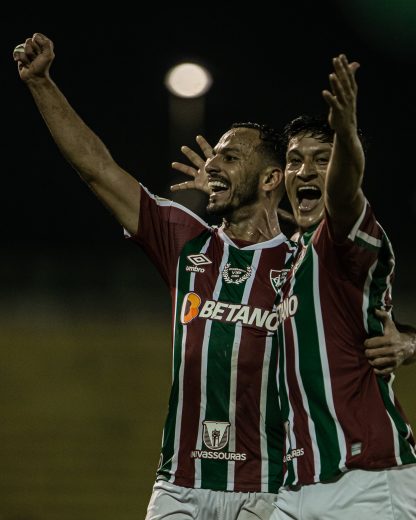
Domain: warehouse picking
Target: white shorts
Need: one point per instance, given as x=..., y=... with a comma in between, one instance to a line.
x=388, y=494
x=172, y=502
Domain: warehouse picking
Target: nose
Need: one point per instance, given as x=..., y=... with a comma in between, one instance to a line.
x=212, y=165
x=307, y=171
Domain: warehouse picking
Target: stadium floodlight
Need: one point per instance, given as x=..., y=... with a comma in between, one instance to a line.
x=188, y=80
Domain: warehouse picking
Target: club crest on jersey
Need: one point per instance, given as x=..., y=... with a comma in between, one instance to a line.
x=215, y=434
x=278, y=278
x=235, y=274
x=197, y=260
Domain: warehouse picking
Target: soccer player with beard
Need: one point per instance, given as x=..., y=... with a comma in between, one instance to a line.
x=221, y=448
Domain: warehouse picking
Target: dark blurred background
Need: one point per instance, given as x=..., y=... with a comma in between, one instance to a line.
x=85, y=318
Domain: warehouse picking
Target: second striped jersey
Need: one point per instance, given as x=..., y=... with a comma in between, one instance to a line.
x=337, y=413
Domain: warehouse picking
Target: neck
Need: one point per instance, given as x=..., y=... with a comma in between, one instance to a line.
x=257, y=223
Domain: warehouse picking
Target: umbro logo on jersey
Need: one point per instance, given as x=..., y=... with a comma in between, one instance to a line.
x=235, y=274
x=278, y=278
x=197, y=260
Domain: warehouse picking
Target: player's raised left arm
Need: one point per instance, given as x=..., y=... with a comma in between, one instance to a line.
x=82, y=148
x=344, y=198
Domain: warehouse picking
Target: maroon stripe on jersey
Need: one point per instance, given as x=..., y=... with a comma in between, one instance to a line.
x=411, y=437
x=356, y=396
x=191, y=402
x=192, y=370
x=166, y=230
x=370, y=225
x=306, y=469
x=347, y=260
x=248, y=393
x=250, y=379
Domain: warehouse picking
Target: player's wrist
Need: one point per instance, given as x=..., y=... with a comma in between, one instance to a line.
x=410, y=347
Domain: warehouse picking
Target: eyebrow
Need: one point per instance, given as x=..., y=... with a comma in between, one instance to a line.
x=295, y=151
x=227, y=149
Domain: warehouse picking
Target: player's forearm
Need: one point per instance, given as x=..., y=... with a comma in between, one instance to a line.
x=345, y=170
x=78, y=143
x=344, y=198
x=408, y=337
x=412, y=350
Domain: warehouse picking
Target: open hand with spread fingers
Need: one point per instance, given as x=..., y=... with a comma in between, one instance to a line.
x=342, y=99
x=197, y=171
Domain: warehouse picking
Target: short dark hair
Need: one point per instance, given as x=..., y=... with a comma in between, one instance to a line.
x=271, y=141
x=315, y=126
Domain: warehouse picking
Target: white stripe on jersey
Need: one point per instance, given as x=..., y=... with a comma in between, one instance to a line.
x=267, y=244
x=263, y=406
x=388, y=289
x=325, y=362
x=167, y=202
x=305, y=403
x=204, y=365
x=178, y=421
x=366, y=295
x=376, y=242
x=175, y=459
x=233, y=375
x=356, y=232
x=290, y=434
x=352, y=234
x=395, y=433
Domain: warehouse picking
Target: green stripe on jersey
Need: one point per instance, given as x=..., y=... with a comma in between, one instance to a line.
x=184, y=278
x=274, y=424
x=400, y=428
x=379, y=284
x=310, y=367
x=284, y=403
x=214, y=473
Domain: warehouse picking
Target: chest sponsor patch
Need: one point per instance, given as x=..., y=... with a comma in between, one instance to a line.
x=194, y=307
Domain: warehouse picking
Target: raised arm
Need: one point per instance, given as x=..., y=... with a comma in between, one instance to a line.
x=344, y=198
x=118, y=190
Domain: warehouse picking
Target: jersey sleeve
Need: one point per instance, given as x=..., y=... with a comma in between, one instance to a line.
x=366, y=256
x=164, y=229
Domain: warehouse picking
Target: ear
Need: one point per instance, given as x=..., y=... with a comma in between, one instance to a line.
x=273, y=178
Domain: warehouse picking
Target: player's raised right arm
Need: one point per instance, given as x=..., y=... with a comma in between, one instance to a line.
x=118, y=190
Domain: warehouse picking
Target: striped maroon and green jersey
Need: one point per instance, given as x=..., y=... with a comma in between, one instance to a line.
x=337, y=413
x=223, y=430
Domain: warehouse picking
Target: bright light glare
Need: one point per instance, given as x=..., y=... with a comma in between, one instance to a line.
x=188, y=80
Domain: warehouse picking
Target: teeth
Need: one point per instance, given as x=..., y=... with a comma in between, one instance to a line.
x=303, y=188
x=217, y=184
